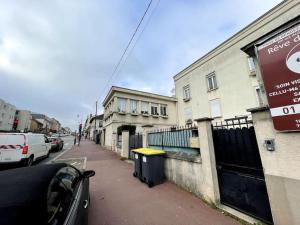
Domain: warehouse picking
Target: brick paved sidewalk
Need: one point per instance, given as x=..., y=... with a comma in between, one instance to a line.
x=117, y=198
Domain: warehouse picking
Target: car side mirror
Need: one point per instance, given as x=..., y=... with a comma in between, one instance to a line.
x=88, y=173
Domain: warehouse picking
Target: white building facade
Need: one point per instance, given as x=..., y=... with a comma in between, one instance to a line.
x=131, y=107
x=224, y=83
x=227, y=81
x=24, y=120
x=7, y=115
x=95, y=126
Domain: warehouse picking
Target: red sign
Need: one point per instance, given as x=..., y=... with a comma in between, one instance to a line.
x=279, y=60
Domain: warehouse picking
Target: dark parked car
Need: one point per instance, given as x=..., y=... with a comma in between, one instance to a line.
x=52, y=194
x=56, y=143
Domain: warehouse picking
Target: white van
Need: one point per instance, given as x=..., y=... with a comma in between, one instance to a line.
x=24, y=148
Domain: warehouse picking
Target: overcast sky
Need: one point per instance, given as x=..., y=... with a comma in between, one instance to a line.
x=56, y=56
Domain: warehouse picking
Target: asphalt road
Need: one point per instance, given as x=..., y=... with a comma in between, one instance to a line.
x=68, y=143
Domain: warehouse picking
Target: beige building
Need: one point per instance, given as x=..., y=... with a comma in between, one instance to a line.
x=131, y=107
x=227, y=81
x=65, y=130
x=36, y=126
x=282, y=165
x=45, y=120
x=224, y=83
x=54, y=125
x=93, y=126
x=96, y=125
x=24, y=120
x=7, y=115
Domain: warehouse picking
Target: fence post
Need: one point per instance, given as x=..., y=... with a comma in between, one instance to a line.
x=281, y=167
x=125, y=144
x=211, y=190
x=114, y=142
x=146, y=129
x=162, y=139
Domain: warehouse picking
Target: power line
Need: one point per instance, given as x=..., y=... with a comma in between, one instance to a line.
x=137, y=39
x=129, y=43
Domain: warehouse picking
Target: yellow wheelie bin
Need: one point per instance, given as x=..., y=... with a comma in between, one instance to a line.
x=151, y=164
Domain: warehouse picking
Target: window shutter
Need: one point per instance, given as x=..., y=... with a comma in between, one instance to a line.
x=215, y=108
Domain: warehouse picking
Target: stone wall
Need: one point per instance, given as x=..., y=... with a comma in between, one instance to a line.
x=188, y=174
x=281, y=168
x=196, y=174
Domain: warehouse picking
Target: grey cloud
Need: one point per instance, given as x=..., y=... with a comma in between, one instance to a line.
x=62, y=52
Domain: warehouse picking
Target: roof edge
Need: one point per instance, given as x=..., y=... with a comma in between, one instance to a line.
x=249, y=48
x=194, y=65
x=141, y=93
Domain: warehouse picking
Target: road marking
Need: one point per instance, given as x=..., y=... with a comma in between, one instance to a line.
x=84, y=163
x=75, y=163
x=59, y=155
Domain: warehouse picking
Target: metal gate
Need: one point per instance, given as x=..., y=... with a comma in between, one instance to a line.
x=240, y=173
x=135, y=141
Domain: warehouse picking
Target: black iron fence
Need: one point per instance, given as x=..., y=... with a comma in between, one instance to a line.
x=236, y=122
x=174, y=137
x=119, y=141
x=239, y=168
x=135, y=141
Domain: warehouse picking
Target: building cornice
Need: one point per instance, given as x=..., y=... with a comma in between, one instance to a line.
x=264, y=19
x=115, y=89
x=249, y=48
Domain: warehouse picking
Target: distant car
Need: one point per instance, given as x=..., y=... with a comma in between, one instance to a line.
x=49, y=194
x=23, y=148
x=56, y=143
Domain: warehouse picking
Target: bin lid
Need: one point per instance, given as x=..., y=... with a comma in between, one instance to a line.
x=149, y=151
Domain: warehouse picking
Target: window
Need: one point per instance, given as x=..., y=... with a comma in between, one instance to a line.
x=145, y=108
x=188, y=114
x=133, y=106
x=215, y=108
x=186, y=93
x=121, y=105
x=110, y=107
x=259, y=96
x=251, y=64
x=61, y=192
x=154, y=109
x=211, y=82
x=163, y=110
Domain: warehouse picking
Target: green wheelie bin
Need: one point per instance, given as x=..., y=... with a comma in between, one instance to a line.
x=152, y=166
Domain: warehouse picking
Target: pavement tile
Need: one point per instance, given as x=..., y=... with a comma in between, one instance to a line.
x=117, y=198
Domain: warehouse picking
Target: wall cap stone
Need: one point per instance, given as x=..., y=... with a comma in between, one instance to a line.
x=258, y=109
x=184, y=157
x=147, y=125
x=204, y=119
